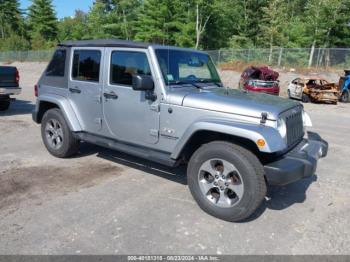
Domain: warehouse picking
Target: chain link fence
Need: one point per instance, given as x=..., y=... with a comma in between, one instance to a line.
x=26, y=56
x=338, y=58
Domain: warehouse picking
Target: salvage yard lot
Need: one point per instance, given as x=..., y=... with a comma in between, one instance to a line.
x=105, y=202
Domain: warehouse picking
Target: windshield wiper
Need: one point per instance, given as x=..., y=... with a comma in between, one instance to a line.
x=209, y=81
x=179, y=83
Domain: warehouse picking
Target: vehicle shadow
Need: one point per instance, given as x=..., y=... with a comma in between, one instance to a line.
x=19, y=107
x=177, y=174
x=278, y=198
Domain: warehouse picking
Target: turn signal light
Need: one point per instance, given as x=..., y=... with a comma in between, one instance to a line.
x=261, y=143
x=36, y=90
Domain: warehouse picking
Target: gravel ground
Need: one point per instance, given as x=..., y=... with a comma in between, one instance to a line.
x=104, y=202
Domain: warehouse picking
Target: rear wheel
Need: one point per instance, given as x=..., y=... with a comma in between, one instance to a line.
x=345, y=97
x=305, y=98
x=226, y=180
x=57, y=136
x=4, y=103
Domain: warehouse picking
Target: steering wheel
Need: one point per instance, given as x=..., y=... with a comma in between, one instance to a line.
x=191, y=77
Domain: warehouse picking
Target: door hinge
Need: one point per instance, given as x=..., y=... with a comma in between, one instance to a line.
x=154, y=132
x=98, y=121
x=99, y=99
x=155, y=107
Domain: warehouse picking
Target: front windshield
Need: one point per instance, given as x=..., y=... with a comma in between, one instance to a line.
x=186, y=67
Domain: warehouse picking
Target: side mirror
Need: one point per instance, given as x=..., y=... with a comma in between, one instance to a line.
x=142, y=83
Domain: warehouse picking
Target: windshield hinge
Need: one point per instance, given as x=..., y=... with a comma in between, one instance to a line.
x=155, y=107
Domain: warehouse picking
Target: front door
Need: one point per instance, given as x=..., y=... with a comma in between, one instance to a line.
x=130, y=117
x=85, y=87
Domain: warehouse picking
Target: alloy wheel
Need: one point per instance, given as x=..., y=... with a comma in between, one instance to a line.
x=221, y=183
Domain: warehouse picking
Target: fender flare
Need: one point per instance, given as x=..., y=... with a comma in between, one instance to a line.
x=252, y=132
x=65, y=107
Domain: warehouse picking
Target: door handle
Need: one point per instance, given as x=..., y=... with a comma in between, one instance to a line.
x=110, y=95
x=75, y=90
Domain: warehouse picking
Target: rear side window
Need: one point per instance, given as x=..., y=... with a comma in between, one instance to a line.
x=57, y=64
x=124, y=64
x=86, y=65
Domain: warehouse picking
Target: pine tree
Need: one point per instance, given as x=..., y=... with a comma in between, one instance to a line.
x=273, y=24
x=121, y=18
x=42, y=19
x=152, y=22
x=11, y=20
x=97, y=18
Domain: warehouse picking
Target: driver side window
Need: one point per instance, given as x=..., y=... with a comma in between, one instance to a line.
x=125, y=64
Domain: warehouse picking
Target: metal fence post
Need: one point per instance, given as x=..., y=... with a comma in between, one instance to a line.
x=280, y=57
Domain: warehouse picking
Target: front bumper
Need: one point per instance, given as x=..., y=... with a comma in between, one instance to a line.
x=299, y=163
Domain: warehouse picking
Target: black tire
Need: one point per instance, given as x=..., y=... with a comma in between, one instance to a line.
x=69, y=145
x=250, y=169
x=289, y=96
x=305, y=98
x=345, y=97
x=4, y=105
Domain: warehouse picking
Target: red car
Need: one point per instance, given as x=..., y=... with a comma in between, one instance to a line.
x=260, y=79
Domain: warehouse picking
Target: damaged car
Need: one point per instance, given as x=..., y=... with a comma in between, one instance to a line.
x=313, y=89
x=260, y=79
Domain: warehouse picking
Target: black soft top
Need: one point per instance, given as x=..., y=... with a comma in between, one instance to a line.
x=105, y=43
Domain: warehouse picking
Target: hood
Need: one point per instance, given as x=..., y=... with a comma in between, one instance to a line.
x=233, y=101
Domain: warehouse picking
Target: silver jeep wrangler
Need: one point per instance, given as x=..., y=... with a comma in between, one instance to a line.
x=168, y=105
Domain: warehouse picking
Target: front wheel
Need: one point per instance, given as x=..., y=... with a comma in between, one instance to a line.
x=226, y=180
x=345, y=98
x=305, y=98
x=57, y=136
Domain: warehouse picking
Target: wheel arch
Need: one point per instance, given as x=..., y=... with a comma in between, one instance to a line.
x=46, y=103
x=242, y=134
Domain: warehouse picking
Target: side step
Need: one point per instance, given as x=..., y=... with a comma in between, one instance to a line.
x=142, y=152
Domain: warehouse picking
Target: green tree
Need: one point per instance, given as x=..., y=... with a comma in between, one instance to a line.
x=153, y=20
x=11, y=20
x=97, y=18
x=121, y=18
x=42, y=20
x=273, y=24
x=73, y=28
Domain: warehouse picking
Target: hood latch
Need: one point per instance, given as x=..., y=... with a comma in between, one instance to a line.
x=263, y=118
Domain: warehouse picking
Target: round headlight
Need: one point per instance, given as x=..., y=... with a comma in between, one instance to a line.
x=281, y=127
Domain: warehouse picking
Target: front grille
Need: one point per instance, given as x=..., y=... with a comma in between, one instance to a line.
x=295, y=129
x=265, y=84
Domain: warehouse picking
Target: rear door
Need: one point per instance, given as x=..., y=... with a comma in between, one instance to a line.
x=85, y=87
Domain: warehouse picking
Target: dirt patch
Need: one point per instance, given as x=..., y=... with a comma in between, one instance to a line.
x=39, y=183
x=7, y=125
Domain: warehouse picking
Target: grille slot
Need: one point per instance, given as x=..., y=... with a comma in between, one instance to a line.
x=295, y=129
